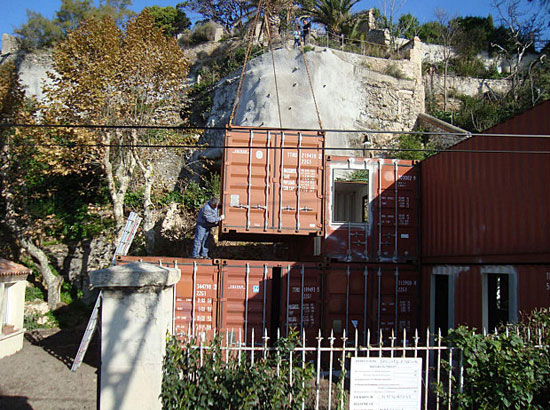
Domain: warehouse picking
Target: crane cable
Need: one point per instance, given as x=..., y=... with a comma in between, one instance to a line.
x=302, y=48
x=245, y=67
x=251, y=32
x=266, y=19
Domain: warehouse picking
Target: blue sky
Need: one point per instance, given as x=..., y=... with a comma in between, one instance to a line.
x=14, y=11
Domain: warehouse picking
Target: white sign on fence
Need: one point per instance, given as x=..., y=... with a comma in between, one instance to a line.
x=380, y=383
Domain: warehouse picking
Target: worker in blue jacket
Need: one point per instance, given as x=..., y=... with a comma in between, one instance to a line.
x=207, y=219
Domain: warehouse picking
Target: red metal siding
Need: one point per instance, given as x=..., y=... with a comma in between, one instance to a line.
x=391, y=231
x=301, y=299
x=530, y=284
x=272, y=182
x=245, y=298
x=372, y=297
x=196, y=299
x=490, y=207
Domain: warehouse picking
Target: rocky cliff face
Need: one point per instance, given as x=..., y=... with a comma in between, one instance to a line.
x=351, y=92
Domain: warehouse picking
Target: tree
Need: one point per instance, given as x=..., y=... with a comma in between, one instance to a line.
x=447, y=36
x=228, y=13
x=333, y=14
x=431, y=32
x=408, y=26
x=170, y=19
x=524, y=26
x=39, y=31
x=16, y=158
x=108, y=75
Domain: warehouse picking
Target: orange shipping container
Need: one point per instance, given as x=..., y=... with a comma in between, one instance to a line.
x=196, y=296
x=376, y=297
x=371, y=210
x=272, y=182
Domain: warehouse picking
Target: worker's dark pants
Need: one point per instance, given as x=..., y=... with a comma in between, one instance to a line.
x=200, y=244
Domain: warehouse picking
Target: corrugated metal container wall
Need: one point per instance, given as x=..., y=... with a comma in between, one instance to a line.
x=246, y=294
x=301, y=299
x=490, y=207
x=371, y=210
x=272, y=182
x=482, y=296
x=372, y=297
x=268, y=295
x=196, y=299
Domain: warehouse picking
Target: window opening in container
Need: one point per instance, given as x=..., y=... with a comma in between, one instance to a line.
x=275, y=302
x=350, y=199
x=441, y=307
x=498, y=300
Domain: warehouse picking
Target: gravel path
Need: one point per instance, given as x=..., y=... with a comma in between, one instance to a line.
x=39, y=376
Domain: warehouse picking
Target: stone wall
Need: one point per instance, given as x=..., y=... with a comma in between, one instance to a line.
x=434, y=53
x=351, y=92
x=473, y=87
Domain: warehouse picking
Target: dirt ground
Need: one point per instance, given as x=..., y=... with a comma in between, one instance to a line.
x=39, y=376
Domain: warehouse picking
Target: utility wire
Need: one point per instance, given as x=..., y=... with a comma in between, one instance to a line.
x=247, y=128
x=262, y=147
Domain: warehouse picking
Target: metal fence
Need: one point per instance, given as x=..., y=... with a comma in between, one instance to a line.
x=442, y=371
x=331, y=359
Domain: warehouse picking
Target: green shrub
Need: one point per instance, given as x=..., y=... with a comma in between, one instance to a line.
x=196, y=195
x=501, y=371
x=233, y=383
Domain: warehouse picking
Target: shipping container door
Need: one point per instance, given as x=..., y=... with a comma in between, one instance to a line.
x=298, y=184
x=272, y=182
x=396, y=299
x=247, y=190
x=245, y=299
x=346, y=301
x=396, y=211
x=301, y=299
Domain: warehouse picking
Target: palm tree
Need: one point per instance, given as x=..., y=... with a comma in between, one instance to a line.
x=335, y=15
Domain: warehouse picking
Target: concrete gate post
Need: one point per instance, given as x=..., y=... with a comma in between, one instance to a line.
x=136, y=314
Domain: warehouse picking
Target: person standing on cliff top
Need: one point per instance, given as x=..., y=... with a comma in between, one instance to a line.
x=206, y=220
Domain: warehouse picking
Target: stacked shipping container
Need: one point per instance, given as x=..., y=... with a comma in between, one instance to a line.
x=485, y=243
x=237, y=296
x=486, y=225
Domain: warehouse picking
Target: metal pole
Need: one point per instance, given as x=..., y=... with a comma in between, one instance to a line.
x=193, y=303
x=379, y=209
x=298, y=182
x=396, y=221
x=267, y=166
x=287, y=297
x=366, y=275
x=246, y=305
x=265, y=300
x=347, y=298
x=302, y=302
x=249, y=187
x=281, y=175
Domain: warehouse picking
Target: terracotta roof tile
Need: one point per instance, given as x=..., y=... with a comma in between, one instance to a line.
x=9, y=268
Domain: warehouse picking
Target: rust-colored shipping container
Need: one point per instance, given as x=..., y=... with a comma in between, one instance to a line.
x=482, y=296
x=371, y=210
x=492, y=206
x=196, y=296
x=375, y=297
x=269, y=296
x=246, y=292
x=236, y=296
x=301, y=299
x=272, y=182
